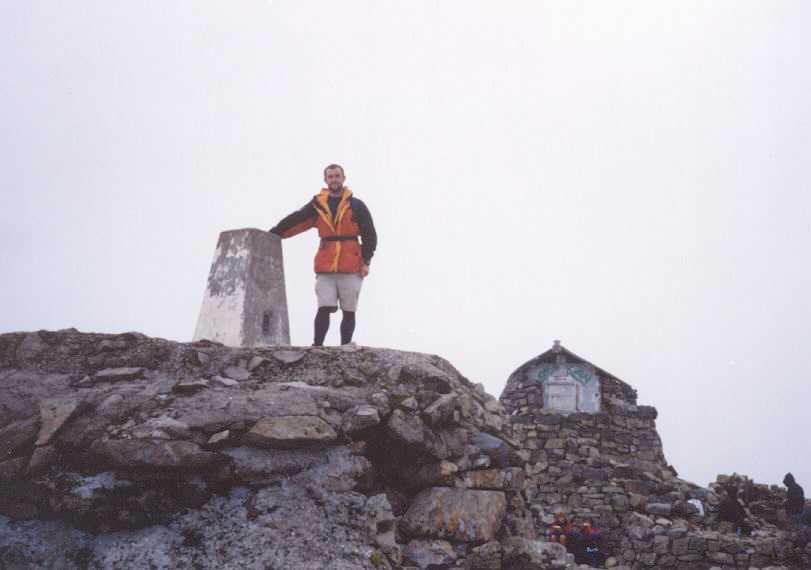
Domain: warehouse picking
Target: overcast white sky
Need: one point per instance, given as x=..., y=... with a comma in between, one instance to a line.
x=629, y=177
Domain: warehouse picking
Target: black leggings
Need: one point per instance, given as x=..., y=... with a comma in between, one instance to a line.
x=322, y=325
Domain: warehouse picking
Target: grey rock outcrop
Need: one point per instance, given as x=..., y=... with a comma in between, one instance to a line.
x=123, y=451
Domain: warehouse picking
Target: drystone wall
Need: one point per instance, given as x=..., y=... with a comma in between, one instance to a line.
x=610, y=466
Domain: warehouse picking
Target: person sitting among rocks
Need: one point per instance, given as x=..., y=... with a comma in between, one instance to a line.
x=561, y=529
x=587, y=548
x=731, y=511
x=795, y=499
x=696, y=517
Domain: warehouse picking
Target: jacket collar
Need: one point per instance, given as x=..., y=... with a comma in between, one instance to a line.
x=322, y=206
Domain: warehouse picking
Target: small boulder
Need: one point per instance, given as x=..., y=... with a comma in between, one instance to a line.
x=524, y=554
x=382, y=523
x=441, y=410
x=360, y=418
x=410, y=404
x=659, y=509
x=291, y=431
x=457, y=514
x=406, y=427
x=110, y=403
x=429, y=553
x=639, y=526
x=501, y=454
x=485, y=557
x=439, y=474
x=171, y=427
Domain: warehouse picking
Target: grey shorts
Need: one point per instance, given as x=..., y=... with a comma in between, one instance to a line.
x=332, y=287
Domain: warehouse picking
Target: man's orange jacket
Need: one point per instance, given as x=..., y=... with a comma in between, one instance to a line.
x=339, y=230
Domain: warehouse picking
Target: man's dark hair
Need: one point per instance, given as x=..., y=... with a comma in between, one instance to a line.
x=331, y=166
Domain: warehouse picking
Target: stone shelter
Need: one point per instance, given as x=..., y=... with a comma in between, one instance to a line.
x=592, y=452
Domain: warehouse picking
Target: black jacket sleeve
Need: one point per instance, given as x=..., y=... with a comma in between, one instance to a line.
x=368, y=235
x=301, y=215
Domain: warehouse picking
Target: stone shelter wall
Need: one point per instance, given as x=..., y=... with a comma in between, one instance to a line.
x=610, y=466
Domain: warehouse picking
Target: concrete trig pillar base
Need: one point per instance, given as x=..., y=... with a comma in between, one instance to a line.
x=245, y=303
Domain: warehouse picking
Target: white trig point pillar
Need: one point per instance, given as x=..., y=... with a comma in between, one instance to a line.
x=245, y=303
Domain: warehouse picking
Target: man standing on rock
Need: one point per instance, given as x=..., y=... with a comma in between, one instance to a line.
x=341, y=263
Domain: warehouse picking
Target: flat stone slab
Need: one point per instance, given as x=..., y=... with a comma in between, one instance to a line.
x=219, y=438
x=509, y=479
x=237, y=373
x=262, y=466
x=128, y=453
x=187, y=385
x=227, y=382
x=457, y=514
x=119, y=374
x=211, y=411
x=288, y=356
x=291, y=431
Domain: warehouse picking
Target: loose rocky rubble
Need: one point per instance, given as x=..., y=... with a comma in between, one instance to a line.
x=124, y=451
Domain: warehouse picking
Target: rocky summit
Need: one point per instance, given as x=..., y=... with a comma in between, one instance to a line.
x=124, y=451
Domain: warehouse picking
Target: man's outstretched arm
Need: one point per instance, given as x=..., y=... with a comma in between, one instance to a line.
x=299, y=221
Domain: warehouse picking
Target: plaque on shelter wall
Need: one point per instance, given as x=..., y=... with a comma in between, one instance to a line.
x=561, y=396
x=568, y=387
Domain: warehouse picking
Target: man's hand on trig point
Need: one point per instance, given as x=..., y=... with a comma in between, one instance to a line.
x=364, y=270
